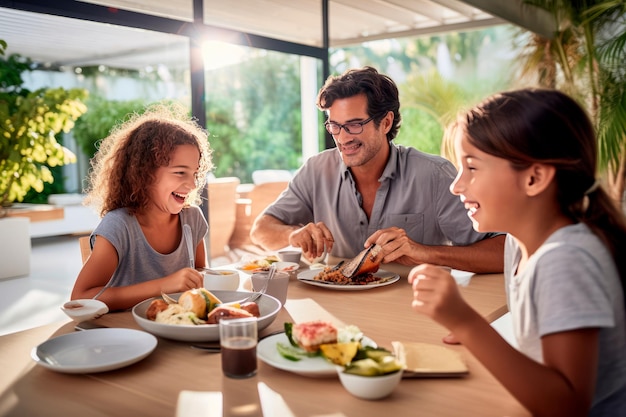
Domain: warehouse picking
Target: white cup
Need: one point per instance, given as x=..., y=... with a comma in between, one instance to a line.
x=226, y=280
x=290, y=256
x=277, y=286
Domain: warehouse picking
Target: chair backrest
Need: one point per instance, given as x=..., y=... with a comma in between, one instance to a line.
x=85, y=247
x=222, y=213
x=262, y=195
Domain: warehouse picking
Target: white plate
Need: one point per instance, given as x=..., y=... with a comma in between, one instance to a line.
x=280, y=267
x=96, y=350
x=385, y=278
x=268, y=308
x=313, y=367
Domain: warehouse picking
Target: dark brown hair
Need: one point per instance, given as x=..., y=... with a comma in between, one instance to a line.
x=547, y=126
x=381, y=92
x=124, y=168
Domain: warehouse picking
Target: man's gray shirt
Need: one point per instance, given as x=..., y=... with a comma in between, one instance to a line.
x=414, y=195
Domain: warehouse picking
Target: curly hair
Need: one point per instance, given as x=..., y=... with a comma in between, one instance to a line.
x=381, y=92
x=124, y=167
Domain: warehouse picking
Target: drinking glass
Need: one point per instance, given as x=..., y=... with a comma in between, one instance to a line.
x=238, y=340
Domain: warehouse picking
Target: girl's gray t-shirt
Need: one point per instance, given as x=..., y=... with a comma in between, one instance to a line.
x=571, y=282
x=138, y=261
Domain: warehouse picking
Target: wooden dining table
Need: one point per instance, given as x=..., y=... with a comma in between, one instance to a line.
x=151, y=387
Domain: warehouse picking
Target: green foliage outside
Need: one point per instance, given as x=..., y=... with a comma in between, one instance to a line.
x=253, y=115
x=429, y=99
x=29, y=122
x=102, y=115
x=420, y=130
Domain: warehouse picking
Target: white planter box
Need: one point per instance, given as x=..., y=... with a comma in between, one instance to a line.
x=14, y=247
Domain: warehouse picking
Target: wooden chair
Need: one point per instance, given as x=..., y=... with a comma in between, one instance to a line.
x=85, y=247
x=249, y=208
x=262, y=195
x=222, y=213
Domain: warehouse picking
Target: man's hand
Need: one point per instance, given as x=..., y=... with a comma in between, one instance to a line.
x=397, y=247
x=313, y=239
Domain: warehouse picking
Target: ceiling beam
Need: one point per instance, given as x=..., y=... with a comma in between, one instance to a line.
x=426, y=31
x=517, y=12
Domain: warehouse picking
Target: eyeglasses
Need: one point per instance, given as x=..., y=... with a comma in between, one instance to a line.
x=352, y=128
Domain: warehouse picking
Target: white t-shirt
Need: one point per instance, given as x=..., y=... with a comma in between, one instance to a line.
x=571, y=282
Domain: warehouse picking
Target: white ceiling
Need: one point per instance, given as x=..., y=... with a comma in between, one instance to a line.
x=65, y=41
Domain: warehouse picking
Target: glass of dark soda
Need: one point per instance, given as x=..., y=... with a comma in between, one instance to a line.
x=238, y=340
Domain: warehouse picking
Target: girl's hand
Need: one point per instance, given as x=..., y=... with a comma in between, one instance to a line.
x=182, y=280
x=436, y=294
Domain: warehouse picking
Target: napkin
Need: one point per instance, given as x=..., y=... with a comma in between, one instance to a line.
x=428, y=360
x=306, y=309
x=199, y=404
x=272, y=403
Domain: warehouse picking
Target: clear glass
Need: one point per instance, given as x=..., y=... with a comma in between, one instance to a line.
x=238, y=341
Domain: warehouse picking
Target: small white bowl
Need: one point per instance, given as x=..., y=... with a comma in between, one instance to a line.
x=369, y=387
x=84, y=309
x=290, y=256
x=226, y=280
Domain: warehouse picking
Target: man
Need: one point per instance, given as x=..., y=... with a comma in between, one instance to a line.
x=369, y=190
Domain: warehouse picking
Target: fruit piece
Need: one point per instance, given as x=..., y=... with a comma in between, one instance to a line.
x=364, y=367
x=371, y=352
x=389, y=364
x=289, y=333
x=377, y=353
x=288, y=352
x=340, y=353
x=235, y=305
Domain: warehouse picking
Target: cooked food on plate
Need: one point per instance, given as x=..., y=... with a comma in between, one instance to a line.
x=309, y=336
x=262, y=264
x=198, y=306
x=357, y=271
x=340, y=346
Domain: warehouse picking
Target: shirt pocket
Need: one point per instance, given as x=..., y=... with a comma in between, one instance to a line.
x=412, y=223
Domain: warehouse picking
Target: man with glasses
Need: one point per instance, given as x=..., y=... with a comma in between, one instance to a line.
x=369, y=190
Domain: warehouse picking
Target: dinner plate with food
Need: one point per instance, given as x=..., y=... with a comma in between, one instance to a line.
x=252, y=265
x=192, y=316
x=309, y=348
x=360, y=273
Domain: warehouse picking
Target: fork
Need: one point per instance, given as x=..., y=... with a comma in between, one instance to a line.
x=254, y=296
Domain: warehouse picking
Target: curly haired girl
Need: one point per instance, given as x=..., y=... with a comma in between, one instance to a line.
x=145, y=177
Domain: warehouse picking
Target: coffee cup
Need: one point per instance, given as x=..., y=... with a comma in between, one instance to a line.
x=227, y=280
x=238, y=341
x=290, y=256
x=276, y=287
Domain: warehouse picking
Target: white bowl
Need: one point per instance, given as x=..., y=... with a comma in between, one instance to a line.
x=290, y=256
x=268, y=308
x=226, y=280
x=369, y=387
x=84, y=309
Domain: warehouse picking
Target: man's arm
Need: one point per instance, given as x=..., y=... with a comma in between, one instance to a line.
x=270, y=233
x=482, y=257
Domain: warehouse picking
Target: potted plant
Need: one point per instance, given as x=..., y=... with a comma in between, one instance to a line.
x=29, y=121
